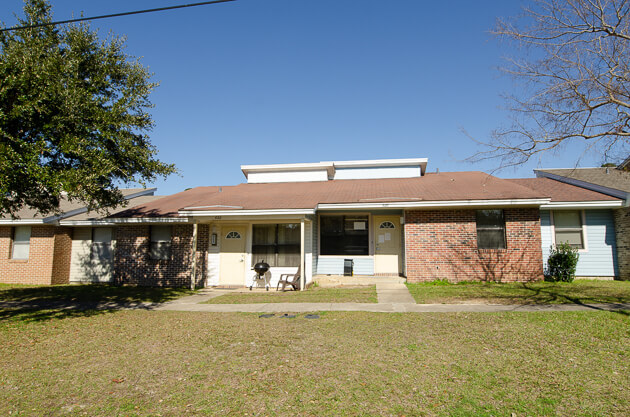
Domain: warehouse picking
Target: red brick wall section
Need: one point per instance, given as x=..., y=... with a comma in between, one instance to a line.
x=203, y=241
x=37, y=269
x=132, y=264
x=442, y=244
x=62, y=254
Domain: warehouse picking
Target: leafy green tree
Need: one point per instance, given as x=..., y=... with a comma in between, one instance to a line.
x=74, y=118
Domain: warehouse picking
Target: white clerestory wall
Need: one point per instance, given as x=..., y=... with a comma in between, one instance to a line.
x=335, y=170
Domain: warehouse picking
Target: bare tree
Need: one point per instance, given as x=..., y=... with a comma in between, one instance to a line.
x=572, y=70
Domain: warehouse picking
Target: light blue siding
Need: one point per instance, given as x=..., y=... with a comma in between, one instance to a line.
x=334, y=266
x=315, y=244
x=600, y=256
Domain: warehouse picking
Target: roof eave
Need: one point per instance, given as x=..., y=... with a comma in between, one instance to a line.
x=531, y=202
x=584, y=184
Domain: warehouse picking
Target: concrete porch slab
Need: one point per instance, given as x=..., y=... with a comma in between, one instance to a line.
x=328, y=281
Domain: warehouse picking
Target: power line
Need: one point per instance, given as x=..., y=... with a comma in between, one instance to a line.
x=84, y=19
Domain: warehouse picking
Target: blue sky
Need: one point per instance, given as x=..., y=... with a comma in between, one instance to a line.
x=281, y=81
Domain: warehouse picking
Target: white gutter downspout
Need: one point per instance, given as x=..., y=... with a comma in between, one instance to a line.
x=193, y=271
x=302, y=268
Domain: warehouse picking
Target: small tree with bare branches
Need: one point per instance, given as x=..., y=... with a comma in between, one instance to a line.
x=573, y=70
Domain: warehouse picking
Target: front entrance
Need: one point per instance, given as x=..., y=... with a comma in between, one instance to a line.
x=232, y=263
x=387, y=259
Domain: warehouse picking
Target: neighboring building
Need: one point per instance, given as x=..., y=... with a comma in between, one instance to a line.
x=53, y=250
x=612, y=182
x=583, y=218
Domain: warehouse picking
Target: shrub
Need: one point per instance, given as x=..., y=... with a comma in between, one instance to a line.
x=562, y=263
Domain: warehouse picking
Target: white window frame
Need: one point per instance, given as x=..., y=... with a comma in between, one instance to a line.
x=25, y=243
x=584, y=234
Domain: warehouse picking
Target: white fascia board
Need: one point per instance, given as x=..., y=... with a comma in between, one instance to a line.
x=227, y=213
x=583, y=184
x=86, y=223
x=22, y=221
x=582, y=204
x=328, y=166
x=146, y=191
x=422, y=162
x=437, y=204
x=132, y=220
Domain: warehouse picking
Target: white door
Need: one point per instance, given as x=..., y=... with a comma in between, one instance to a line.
x=387, y=259
x=232, y=263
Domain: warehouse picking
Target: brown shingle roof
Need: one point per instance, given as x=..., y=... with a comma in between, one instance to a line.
x=606, y=177
x=446, y=186
x=113, y=212
x=66, y=206
x=560, y=191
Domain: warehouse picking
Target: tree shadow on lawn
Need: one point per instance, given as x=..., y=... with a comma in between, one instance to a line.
x=90, y=293
x=553, y=294
x=32, y=315
x=43, y=303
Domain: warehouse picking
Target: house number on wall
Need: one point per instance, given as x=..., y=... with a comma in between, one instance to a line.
x=217, y=217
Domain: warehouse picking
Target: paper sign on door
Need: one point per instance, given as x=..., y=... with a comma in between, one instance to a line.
x=388, y=236
x=381, y=239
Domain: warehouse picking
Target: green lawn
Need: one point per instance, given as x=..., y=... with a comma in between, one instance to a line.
x=92, y=293
x=580, y=291
x=147, y=363
x=312, y=295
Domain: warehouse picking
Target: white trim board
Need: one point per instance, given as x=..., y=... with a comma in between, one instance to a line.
x=229, y=213
x=581, y=204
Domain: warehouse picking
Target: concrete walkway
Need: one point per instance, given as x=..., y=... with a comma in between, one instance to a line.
x=393, y=293
x=392, y=298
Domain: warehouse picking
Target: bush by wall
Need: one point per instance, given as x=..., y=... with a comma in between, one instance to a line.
x=562, y=263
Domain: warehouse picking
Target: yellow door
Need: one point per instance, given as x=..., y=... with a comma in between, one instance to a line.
x=387, y=259
x=232, y=256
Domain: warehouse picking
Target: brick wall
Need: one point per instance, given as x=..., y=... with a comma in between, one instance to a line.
x=37, y=269
x=442, y=244
x=203, y=242
x=132, y=264
x=62, y=254
x=622, y=233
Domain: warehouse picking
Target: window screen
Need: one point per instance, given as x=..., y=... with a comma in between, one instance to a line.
x=568, y=228
x=276, y=244
x=490, y=229
x=21, y=242
x=101, y=243
x=160, y=242
x=344, y=235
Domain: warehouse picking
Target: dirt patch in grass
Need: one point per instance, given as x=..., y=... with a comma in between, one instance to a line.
x=312, y=295
x=577, y=292
x=142, y=363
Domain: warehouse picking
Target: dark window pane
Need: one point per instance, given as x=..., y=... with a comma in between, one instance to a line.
x=491, y=239
x=489, y=218
x=490, y=229
x=344, y=235
x=276, y=244
x=160, y=250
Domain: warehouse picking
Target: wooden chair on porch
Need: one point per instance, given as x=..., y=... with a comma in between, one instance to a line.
x=292, y=280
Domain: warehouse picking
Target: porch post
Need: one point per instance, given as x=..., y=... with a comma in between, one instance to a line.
x=302, y=268
x=193, y=269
